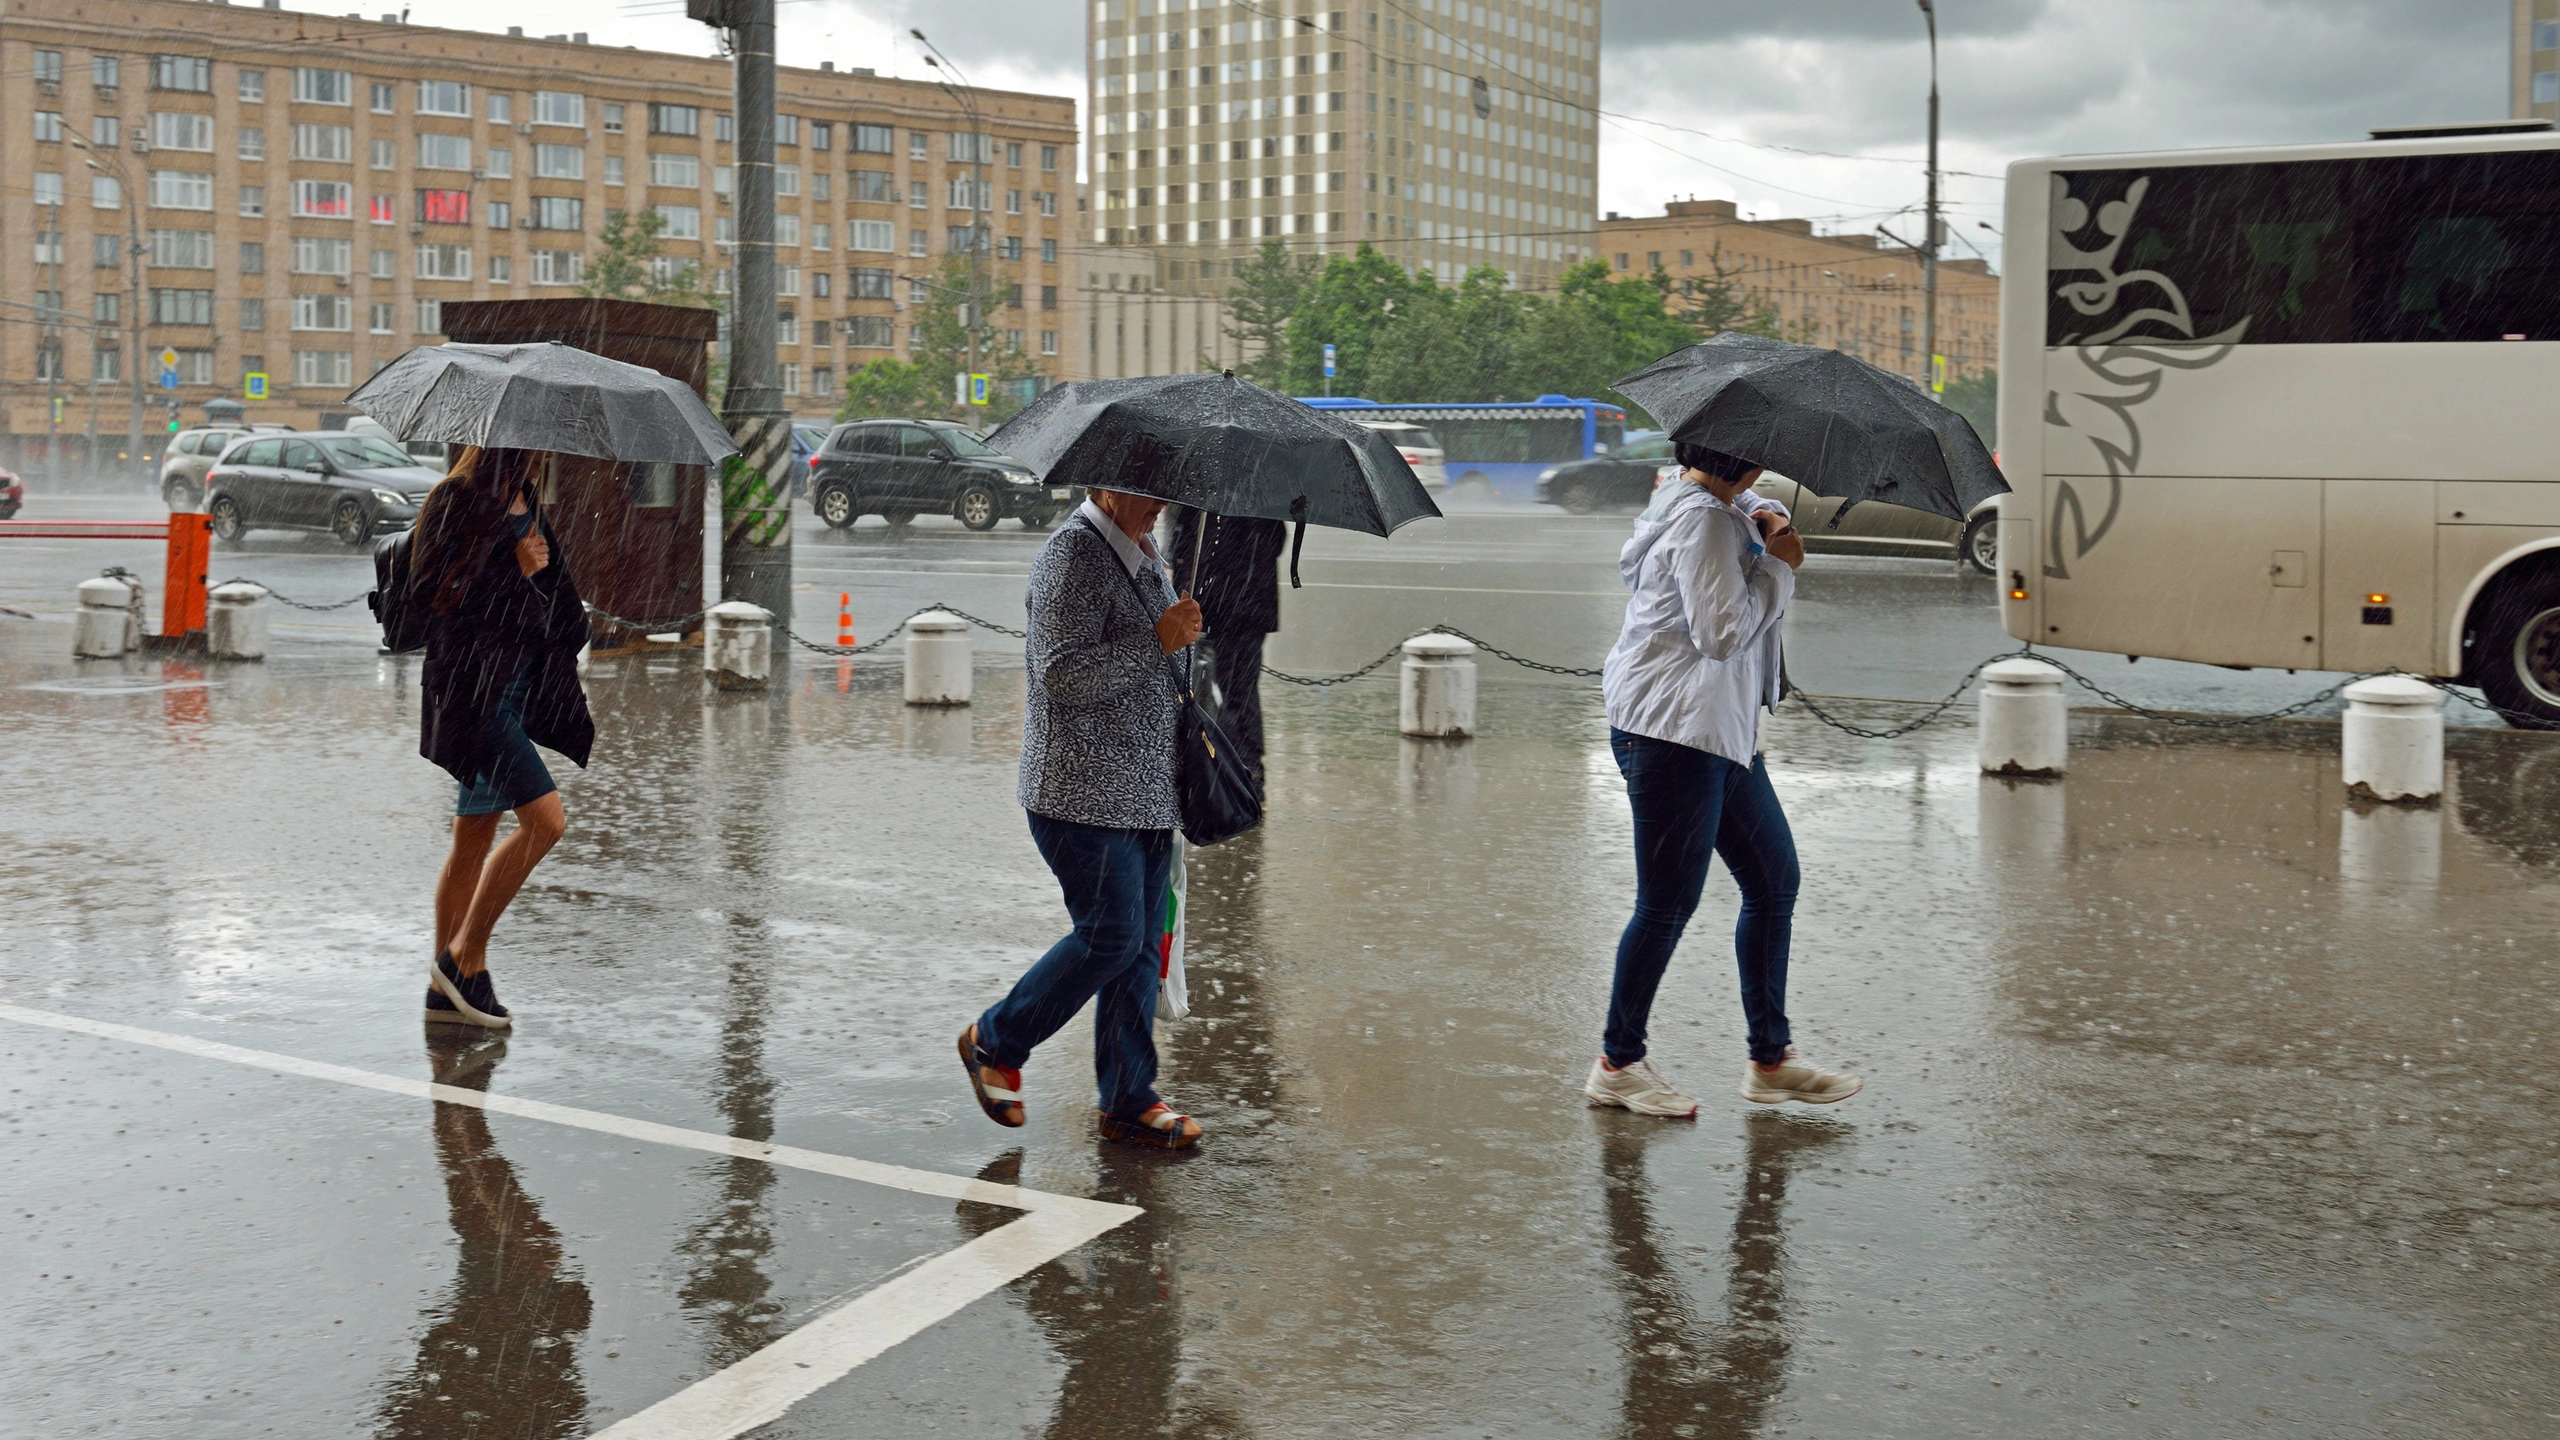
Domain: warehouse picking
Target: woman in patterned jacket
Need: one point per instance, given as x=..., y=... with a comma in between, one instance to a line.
x=1098, y=783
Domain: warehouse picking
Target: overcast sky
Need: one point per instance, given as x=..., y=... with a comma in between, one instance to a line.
x=1699, y=91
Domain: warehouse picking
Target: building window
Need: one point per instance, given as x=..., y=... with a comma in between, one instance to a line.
x=49, y=126
x=49, y=361
x=559, y=212
x=1048, y=297
x=386, y=155
x=918, y=197
x=872, y=332
x=443, y=262
x=322, y=255
x=869, y=283
x=916, y=243
x=786, y=179
x=919, y=145
x=822, y=381
x=445, y=207
x=321, y=312
x=675, y=120
x=501, y=269
x=823, y=332
x=2546, y=87
x=560, y=162
x=1013, y=156
x=786, y=279
x=384, y=210
x=681, y=222
x=501, y=215
x=380, y=322
x=253, y=86
x=107, y=309
x=48, y=187
x=612, y=119
x=2546, y=34
x=1012, y=247
x=430, y=317
x=1048, y=252
x=875, y=139
x=558, y=267
x=786, y=229
x=382, y=97
x=322, y=142
x=182, y=131
x=106, y=362
x=253, y=257
x=183, y=190
x=786, y=129
x=822, y=136
x=181, y=307
x=48, y=67
x=253, y=201
x=1048, y=342
x=444, y=97
x=385, y=265
x=444, y=152
x=501, y=163
x=106, y=192
x=323, y=199
x=182, y=72
x=723, y=180
x=1048, y=158
x=253, y=143
x=786, y=330
x=323, y=367
x=502, y=109
x=613, y=169
x=48, y=247
x=683, y=171
x=790, y=378
x=253, y=316
x=182, y=249
x=559, y=107
x=1048, y=202
x=724, y=128
x=873, y=187
x=313, y=86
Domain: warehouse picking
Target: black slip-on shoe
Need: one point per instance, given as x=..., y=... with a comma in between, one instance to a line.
x=473, y=998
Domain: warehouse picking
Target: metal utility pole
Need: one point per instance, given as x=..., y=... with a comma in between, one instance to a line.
x=755, y=492
x=106, y=164
x=1929, y=238
x=966, y=98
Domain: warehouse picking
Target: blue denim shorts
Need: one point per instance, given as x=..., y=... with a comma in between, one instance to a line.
x=516, y=775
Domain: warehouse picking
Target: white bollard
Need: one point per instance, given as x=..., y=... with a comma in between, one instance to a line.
x=1437, y=695
x=104, y=628
x=2025, y=728
x=938, y=652
x=737, y=645
x=2393, y=745
x=235, y=622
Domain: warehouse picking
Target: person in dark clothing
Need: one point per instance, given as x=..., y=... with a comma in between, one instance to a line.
x=501, y=675
x=1239, y=595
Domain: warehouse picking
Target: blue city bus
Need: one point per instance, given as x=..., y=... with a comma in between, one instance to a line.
x=1499, y=448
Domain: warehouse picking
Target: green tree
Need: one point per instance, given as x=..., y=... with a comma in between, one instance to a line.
x=1977, y=398
x=922, y=388
x=1259, y=305
x=1352, y=302
x=1465, y=343
x=628, y=263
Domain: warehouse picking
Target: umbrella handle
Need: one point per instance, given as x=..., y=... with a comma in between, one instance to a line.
x=1298, y=513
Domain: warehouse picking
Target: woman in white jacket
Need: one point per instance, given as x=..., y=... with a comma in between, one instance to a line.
x=1711, y=567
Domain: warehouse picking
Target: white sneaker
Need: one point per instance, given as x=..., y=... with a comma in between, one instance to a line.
x=1796, y=1079
x=1638, y=1087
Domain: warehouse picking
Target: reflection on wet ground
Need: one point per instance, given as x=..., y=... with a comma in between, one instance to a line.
x=2199, y=1102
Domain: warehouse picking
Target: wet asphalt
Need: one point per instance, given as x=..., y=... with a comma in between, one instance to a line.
x=2198, y=1102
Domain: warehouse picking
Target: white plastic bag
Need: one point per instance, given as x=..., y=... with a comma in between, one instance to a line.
x=1173, y=989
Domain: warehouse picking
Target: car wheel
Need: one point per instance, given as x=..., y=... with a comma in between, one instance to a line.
x=181, y=495
x=1037, y=522
x=2518, y=659
x=977, y=508
x=347, y=522
x=229, y=525
x=899, y=519
x=835, y=506
x=1580, y=497
x=1474, y=485
x=1980, y=547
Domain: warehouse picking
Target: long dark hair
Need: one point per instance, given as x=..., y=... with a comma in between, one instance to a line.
x=461, y=520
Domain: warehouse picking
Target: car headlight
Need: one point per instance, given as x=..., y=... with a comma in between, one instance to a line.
x=391, y=497
x=1022, y=477
x=1549, y=473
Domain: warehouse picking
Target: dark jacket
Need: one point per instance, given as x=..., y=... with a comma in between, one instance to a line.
x=504, y=623
x=1239, y=589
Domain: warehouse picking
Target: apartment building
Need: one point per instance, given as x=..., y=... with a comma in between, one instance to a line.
x=1449, y=134
x=2533, y=84
x=1846, y=291
x=1126, y=320
x=307, y=191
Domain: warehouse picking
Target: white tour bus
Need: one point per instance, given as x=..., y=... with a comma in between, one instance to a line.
x=2291, y=407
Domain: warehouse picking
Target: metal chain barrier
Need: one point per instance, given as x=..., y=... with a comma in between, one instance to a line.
x=1897, y=732
x=283, y=599
x=647, y=627
x=805, y=643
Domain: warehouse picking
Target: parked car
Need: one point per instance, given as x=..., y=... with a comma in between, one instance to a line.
x=807, y=440
x=1419, y=447
x=13, y=494
x=351, y=486
x=192, y=452
x=424, y=452
x=1629, y=478
x=899, y=469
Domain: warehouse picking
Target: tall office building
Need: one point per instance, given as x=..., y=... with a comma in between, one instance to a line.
x=1446, y=133
x=2534, y=64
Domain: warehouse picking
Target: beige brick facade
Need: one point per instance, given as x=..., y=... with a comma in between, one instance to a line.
x=1843, y=291
x=311, y=188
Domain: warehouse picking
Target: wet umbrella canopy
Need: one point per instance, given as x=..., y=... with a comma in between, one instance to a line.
x=1220, y=444
x=543, y=397
x=1837, y=425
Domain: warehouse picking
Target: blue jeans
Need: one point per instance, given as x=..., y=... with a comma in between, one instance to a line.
x=1115, y=883
x=1689, y=804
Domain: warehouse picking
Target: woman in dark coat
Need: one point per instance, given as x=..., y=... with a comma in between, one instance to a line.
x=501, y=675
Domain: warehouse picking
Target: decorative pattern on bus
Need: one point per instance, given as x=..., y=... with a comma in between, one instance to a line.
x=2121, y=370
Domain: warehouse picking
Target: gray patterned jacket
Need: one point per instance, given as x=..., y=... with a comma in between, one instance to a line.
x=1098, y=715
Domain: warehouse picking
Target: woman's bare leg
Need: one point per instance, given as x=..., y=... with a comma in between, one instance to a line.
x=539, y=825
x=472, y=836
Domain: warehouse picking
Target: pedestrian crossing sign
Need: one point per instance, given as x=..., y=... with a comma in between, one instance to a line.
x=253, y=386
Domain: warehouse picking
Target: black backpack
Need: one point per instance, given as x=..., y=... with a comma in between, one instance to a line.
x=403, y=619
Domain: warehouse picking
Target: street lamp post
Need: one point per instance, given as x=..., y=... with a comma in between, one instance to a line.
x=1929, y=238
x=106, y=164
x=966, y=98
x=755, y=494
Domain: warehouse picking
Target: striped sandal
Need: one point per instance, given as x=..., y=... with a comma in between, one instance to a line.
x=999, y=1090
x=1158, y=1129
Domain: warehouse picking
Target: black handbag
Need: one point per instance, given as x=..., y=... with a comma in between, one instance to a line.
x=1218, y=794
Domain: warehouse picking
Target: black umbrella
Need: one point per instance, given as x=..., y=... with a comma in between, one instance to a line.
x=1835, y=424
x=543, y=397
x=1220, y=444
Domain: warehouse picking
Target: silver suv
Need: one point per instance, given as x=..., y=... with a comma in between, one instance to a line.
x=192, y=453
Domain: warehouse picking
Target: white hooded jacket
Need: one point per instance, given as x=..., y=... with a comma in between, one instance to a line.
x=1697, y=660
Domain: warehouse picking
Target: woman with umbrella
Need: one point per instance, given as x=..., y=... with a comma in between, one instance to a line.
x=504, y=627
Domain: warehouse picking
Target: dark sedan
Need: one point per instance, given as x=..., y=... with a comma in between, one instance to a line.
x=899, y=469
x=1581, y=487
x=353, y=487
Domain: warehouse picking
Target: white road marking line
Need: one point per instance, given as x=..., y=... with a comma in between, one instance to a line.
x=759, y=1389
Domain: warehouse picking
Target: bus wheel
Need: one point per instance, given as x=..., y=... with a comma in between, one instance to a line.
x=2518, y=659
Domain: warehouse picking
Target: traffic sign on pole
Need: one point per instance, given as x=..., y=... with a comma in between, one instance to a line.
x=253, y=386
x=168, y=359
x=168, y=379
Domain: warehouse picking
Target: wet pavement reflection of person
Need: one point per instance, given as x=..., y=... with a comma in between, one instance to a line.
x=500, y=1354
x=1687, y=1374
